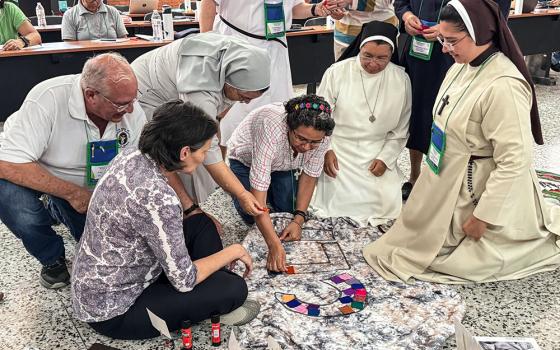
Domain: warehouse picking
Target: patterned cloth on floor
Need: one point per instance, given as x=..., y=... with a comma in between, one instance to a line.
x=334, y=300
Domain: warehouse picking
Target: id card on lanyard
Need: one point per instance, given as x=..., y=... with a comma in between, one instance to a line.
x=436, y=149
x=419, y=47
x=99, y=155
x=274, y=20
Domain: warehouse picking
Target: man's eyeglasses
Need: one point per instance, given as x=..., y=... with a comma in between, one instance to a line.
x=449, y=45
x=366, y=58
x=118, y=107
x=305, y=141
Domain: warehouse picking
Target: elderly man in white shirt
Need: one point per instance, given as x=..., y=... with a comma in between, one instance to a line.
x=58, y=144
x=92, y=19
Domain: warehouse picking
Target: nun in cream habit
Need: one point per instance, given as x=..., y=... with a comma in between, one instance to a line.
x=371, y=100
x=482, y=218
x=211, y=71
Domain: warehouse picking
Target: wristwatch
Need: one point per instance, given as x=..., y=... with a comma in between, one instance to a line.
x=25, y=41
x=190, y=209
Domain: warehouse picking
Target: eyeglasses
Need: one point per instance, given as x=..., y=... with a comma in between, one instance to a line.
x=366, y=58
x=118, y=107
x=302, y=140
x=449, y=46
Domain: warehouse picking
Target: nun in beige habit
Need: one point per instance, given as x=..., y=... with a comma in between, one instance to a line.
x=212, y=71
x=477, y=213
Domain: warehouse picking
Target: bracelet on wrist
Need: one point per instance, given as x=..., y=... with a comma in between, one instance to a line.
x=313, y=13
x=190, y=209
x=300, y=213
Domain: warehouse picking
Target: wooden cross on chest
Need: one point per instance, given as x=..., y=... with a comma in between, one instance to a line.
x=444, y=102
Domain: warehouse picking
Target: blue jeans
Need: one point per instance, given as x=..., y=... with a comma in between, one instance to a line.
x=22, y=211
x=281, y=193
x=555, y=59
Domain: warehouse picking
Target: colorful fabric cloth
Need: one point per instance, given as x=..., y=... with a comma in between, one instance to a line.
x=134, y=231
x=11, y=18
x=261, y=143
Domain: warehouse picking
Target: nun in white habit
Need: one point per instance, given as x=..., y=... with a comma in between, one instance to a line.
x=211, y=71
x=371, y=99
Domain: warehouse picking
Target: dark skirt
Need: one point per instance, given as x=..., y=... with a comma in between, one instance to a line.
x=426, y=78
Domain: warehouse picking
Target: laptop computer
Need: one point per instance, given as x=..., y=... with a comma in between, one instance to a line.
x=142, y=6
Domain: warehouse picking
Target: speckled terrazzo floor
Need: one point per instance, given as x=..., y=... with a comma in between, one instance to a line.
x=32, y=317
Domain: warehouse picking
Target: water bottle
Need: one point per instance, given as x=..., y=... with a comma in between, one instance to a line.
x=156, y=26
x=168, y=33
x=40, y=12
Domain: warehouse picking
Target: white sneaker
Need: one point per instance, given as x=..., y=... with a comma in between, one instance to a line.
x=243, y=314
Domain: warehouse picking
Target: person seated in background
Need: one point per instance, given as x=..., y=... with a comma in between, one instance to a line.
x=371, y=99
x=16, y=32
x=92, y=19
x=141, y=250
x=265, y=151
x=57, y=144
x=211, y=71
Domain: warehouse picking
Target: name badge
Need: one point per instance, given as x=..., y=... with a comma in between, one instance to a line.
x=436, y=149
x=99, y=155
x=275, y=23
x=421, y=48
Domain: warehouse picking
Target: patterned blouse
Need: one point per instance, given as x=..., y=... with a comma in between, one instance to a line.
x=133, y=232
x=261, y=143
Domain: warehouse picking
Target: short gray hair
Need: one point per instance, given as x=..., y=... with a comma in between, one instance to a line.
x=102, y=70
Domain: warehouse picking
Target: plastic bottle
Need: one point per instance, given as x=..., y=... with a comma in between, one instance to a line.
x=186, y=335
x=168, y=33
x=216, y=331
x=40, y=12
x=156, y=26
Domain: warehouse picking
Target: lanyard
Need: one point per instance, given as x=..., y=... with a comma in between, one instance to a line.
x=87, y=133
x=444, y=96
x=439, y=13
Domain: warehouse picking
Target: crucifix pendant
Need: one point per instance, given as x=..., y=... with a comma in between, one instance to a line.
x=371, y=118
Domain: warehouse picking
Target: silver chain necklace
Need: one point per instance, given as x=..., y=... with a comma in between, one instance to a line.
x=372, y=112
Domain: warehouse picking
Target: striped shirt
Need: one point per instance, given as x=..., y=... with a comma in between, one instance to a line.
x=261, y=143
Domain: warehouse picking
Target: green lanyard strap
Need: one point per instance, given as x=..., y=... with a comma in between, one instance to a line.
x=486, y=61
x=439, y=13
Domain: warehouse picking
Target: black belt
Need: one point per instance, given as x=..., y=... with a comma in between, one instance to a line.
x=255, y=36
x=478, y=157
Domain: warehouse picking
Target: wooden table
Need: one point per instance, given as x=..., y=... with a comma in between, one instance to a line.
x=52, y=33
x=310, y=54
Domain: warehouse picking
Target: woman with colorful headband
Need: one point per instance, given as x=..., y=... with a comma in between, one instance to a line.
x=266, y=151
x=477, y=213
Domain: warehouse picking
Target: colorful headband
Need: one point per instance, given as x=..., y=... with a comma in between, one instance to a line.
x=316, y=106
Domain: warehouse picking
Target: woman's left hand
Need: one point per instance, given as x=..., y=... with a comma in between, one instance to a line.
x=292, y=232
x=377, y=167
x=13, y=45
x=474, y=228
x=249, y=203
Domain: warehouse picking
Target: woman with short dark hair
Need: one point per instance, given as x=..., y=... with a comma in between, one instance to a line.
x=267, y=148
x=16, y=32
x=136, y=229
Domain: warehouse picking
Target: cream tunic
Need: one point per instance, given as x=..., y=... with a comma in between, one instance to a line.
x=357, y=142
x=427, y=241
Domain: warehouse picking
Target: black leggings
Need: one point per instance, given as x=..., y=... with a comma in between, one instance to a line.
x=220, y=293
